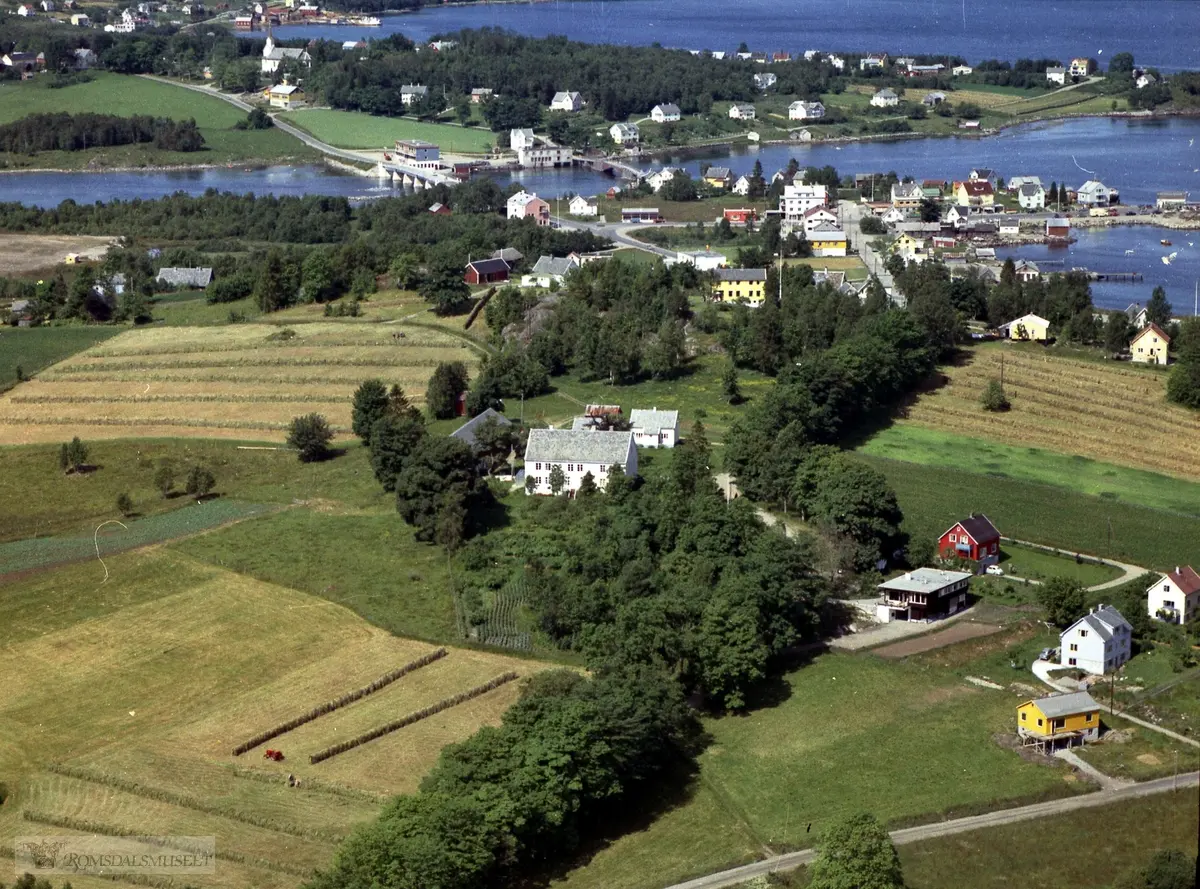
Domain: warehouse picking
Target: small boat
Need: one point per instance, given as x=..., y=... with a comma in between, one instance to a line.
x=1165, y=242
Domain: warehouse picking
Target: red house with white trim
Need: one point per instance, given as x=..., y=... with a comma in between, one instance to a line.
x=974, y=538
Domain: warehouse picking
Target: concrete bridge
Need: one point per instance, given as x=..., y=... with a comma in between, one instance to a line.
x=415, y=177
x=608, y=165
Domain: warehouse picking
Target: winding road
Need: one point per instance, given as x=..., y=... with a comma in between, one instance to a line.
x=792, y=860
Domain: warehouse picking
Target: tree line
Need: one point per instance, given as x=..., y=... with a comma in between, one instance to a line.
x=79, y=132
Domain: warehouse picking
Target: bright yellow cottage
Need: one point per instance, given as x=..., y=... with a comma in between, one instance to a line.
x=740, y=286
x=1073, y=718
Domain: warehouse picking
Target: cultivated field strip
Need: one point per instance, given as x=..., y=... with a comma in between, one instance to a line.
x=230, y=381
x=1113, y=413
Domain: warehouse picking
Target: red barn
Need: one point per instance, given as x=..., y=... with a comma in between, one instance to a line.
x=486, y=271
x=975, y=538
x=740, y=215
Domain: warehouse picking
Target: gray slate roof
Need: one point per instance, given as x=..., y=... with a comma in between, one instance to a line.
x=576, y=446
x=509, y=255
x=924, y=580
x=466, y=432
x=553, y=265
x=184, y=277
x=1030, y=189
x=717, y=173
x=651, y=421
x=1064, y=705
x=669, y=108
x=741, y=274
x=1102, y=621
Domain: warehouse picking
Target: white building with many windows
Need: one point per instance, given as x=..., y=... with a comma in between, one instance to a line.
x=653, y=428
x=1175, y=597
x=1099, y=642
x=576, y=453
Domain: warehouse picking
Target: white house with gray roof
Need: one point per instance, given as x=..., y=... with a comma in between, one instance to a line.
x=577, y=453
x=1099, y=642
x=549, y=270
x=466, y=432
x=665, y=113
x=411, y=93
x=653, y=428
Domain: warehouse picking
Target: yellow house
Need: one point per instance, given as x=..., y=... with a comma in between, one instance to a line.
x=1069, y=717
x=974, y=193
x=827, y=240
x=1150, y=345
x=286, y=95
x=907, y=245
x=1027, y=327
x=740, y=286
x=71, y=258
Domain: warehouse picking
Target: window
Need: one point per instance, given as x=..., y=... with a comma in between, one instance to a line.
x=537, y=466
x=1168, y=603
x=1023, y=716
x=1056, y=724
x=954, y=538
x=995, y=547
x=1074, y=647
x=1088, y=718
x=1082, y=633
x=1039, y=722
x=1071, y=662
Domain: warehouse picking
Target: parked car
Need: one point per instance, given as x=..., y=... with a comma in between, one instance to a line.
x=995, y=570
x=1047, y=654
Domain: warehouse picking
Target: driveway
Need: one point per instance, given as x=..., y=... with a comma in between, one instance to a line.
x=1041, y=669
x=1129, y=571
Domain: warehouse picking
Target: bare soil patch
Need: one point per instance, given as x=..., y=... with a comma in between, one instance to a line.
x=28, y=253
x=959, y=632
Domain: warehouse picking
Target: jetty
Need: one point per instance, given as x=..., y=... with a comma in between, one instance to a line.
x=1129, y=277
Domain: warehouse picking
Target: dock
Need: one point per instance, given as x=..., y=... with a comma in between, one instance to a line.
x=1127, y=277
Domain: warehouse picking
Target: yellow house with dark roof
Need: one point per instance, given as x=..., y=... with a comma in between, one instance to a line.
x=740, y=286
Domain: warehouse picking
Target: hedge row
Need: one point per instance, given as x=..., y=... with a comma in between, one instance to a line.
x=329, y=706
x=444, y=704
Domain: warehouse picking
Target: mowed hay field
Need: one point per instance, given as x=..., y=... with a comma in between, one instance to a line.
x=1109, y=412
x=126, y=721
x=233, y=381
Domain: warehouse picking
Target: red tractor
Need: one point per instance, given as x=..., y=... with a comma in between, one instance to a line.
x=274, y=755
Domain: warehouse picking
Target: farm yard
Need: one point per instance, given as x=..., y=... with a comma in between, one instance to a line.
x=1108, y=412
x=133, y=701
x=354, y=129
x=236, y=381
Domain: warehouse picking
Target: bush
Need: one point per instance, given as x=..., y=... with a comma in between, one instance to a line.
x=994, y=397
x=72, y=457
x=872, y=225
x=200, y=481
x=164, y=479
x=310, y=435
x=125, y=505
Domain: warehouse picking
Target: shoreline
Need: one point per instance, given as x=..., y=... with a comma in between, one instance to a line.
x=247, y=166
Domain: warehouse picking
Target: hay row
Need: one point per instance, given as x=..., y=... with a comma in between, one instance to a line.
x=257, y=361
x=173, y=399
x=148, y=421
x=417, y=716
x=408, y=341
x=349, y=698
x=311, y=785
x=83, y=825
x=157, y=794
x=204, y=375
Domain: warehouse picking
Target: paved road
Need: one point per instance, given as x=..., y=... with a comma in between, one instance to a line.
x=618, y=234
x=851, y=214
x=792, y=860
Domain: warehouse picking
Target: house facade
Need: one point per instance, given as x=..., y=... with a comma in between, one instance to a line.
x=827, y=240
x=923, y=594
x=486, y=271
x=566, y=101
x=549, y=270
x=576, y=453
x=907, y=195
x=1170, y=200
x=1095, y=193
x=1070, y=717
x=519, y=139
x=1175, y=597
x=1056, y=74
x=1031, y=196
x=1080, y=67
x=974, y=538
x=1027, y=327
x=740, y=111
x=1098, y=643
x=411, y=93
x=885, y=98
x=806, y=111
x=545, y=156
x=625, y=133
x=524, y=205
x=1150, y=346
x=581, y=206
x=740, y=286
x=668, y=113
x=419, y=152
x=653, y=428
x=975, y=193
x=647, y=215
x=797, y=200
x=718, y=177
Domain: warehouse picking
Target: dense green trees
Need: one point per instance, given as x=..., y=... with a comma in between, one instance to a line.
x=369, y=406
x=1183, y=386
x=449, y=381
x=78, y=132
x=310, y=436
x=856, y=853
x=73, y=455
x=1063, y=600
x=439, y=491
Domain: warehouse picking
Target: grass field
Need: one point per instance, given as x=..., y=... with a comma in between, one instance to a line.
x=125, y=96
x=37, y=499
x=220, y=382
x=911, y=443
x=132, y=696
x=934, y=498
x=35, y=348
x=1034, y=564
x=845, y=734
x=353, y=129
x=1113, y=413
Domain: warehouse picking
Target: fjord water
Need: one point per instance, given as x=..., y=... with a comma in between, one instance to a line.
x=1159, y=33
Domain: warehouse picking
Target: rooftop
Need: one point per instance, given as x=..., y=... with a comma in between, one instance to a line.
x=652, y=420
x=741, y=274
x=578, y=446
x=1184, y=577
x=1066, y=705
x=924, y=580
x=466, y=432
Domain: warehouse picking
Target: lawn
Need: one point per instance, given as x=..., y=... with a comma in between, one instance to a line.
x=37, y=499
x=1030, y=563
x=35, y=348
x=934, y=498
x=845, y=734
x=353, y=129
x=1135, y=753
x=235, y=381
x=707, y=211
x=132, y=693
x=1106, y=411
x=931, y=447
x=1078, y=850
x=200, y=313
x=368, y=563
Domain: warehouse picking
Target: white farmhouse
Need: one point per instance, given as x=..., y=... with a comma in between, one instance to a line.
x=519, y=140
x=576, y=453
x=581, y=206
x=654, y=428
x=1031, y=196
x=273, y=56
x=564, y=101
x=741, y=111
x=625, y=133
x=1175, y=597
x=665, y=113
x=885, y=98
x=411, y=93
x=1098, y=643
x=806, y=111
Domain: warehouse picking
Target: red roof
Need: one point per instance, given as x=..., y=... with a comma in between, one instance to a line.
x=979, y=527
x=1186, y=579
x=978, y=188
x=1162, y=335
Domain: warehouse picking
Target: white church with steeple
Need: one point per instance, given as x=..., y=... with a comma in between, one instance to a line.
x=273, y=56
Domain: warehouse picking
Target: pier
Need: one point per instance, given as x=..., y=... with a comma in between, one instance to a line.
x=1127, y=277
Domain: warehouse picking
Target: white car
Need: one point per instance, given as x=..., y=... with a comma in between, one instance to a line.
x=995, y=570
